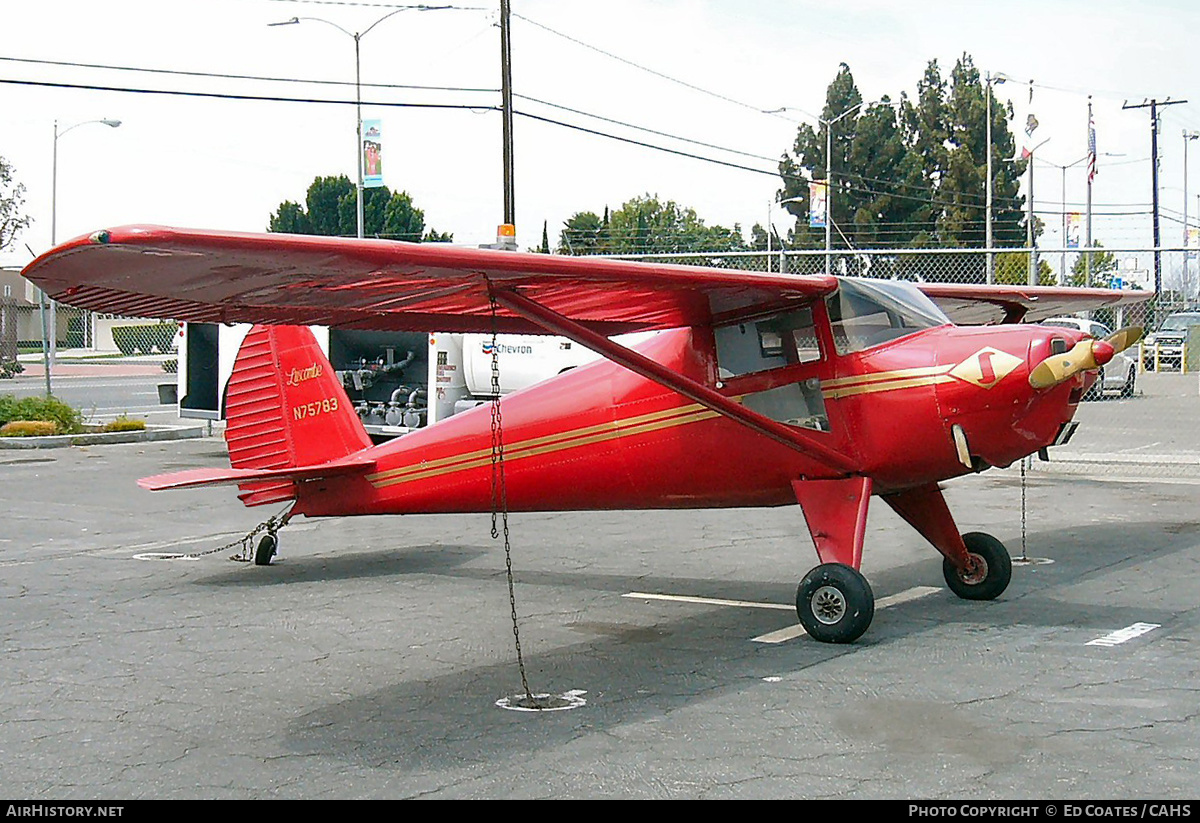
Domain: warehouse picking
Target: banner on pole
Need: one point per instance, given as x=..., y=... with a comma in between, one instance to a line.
x=818, y=202
x=372, y=154
x=1074, y=229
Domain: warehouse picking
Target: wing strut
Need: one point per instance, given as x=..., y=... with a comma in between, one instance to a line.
x=555, y=323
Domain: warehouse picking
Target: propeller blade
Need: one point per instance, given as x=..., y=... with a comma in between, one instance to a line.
x=1122, y=339
x=1058, y=368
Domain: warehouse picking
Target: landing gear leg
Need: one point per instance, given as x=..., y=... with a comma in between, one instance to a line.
x=834, y=602
x=977, y=566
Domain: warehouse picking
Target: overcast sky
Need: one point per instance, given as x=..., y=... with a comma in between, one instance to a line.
x=702, y=70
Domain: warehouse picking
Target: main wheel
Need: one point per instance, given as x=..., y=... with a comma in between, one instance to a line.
x=835, y=603
x=1130, y=382
x=989, y=573
x=265, y=551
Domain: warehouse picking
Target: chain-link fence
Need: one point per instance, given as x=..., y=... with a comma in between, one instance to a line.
x=35, y=335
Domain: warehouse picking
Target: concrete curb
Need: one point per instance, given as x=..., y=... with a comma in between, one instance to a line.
x=58, y=441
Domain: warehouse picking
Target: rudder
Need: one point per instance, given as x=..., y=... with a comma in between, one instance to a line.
x=285, y=407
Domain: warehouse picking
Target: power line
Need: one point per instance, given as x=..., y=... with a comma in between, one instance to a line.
x=215, y=75
x=639, y=67
x=645, y=129
x=252, y=97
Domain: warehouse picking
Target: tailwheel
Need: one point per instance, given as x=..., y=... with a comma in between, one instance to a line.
x=835, y=603
x=266, y=550
x=989, y=569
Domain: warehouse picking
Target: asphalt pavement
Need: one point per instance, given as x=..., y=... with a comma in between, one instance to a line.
x=368, y=662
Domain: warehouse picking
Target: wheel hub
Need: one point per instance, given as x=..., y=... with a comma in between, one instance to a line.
x=828, y=605
x=976, y=571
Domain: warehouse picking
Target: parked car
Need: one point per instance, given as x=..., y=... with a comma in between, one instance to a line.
x=1118, y=375
x=1165, y=344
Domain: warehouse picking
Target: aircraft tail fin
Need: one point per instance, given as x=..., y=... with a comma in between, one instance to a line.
x=286, y=409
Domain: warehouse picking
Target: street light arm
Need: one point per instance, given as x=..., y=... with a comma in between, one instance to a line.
x=110, y=123
x=296, y=20
x=380, y=20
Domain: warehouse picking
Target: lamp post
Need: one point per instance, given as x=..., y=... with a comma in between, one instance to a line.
x=992, y=80
x=829, y=184
x=1187, y=137
x=1062, y=270
x=828, y=124
x=357, y=37
x=51, y=347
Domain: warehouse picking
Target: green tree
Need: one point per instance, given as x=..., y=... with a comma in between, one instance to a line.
x=1012, y=269
x=12, y=198
x=1104, y=268
x=911, y=174
x=581, y=234
x=331, y=209
x=646, y=225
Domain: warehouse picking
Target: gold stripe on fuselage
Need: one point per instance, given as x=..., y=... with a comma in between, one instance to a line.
x=547, y=444
x=888, y=385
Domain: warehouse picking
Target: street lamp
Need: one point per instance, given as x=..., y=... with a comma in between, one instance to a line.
x=828, y=124
x=51, y=348
x=829, y=183
x=357, y=37
x=1062, y=270
x=991, y=80
x=1187, y=137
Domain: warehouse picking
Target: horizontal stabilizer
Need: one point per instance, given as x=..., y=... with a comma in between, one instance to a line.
x=227, y=477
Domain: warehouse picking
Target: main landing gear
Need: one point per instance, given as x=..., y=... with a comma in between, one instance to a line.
x=834, y=602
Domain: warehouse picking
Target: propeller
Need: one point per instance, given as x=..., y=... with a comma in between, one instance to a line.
x=1085, y=355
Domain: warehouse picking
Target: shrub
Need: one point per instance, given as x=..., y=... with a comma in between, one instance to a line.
x=67, y=419
x=8, y=368
x=124, y=424
x=28, y=428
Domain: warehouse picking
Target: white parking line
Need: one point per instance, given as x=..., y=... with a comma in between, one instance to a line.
x=1122, y=635
x=791, y=632
x=708, y=601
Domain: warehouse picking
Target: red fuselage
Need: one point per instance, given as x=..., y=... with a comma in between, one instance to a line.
x=602, y=437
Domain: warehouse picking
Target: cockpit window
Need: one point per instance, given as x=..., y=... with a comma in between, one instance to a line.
x=782, y=340
x=865, y=313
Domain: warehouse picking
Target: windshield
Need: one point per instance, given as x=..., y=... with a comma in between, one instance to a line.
x=1180, y=322
x=865, y=313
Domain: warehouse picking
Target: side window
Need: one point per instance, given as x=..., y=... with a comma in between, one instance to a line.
x=784, y=340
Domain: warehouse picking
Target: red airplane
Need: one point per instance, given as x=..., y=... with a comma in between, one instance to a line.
x=763, y=389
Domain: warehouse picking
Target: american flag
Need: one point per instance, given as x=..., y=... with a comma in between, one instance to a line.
x=1091, y=148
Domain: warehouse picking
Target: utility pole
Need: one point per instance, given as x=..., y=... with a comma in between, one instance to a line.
x=1153, y=105
x=510, y=203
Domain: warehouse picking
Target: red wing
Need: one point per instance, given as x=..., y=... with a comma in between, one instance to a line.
x=969, y=305
x=205, y=276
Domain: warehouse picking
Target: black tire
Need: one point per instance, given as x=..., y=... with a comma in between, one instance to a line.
x=835, y=603
x=1096, y=392
x=265, y=553
x=991, y=574
x=1130, y=382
